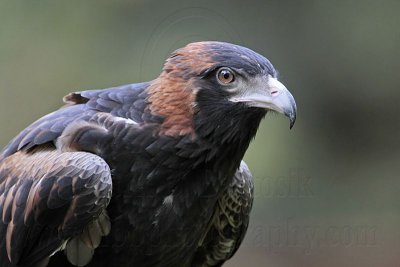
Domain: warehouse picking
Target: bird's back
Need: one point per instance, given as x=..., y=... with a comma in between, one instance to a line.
x=163, y=197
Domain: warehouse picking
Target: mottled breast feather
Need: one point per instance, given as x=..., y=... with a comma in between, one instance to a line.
x=229, y=223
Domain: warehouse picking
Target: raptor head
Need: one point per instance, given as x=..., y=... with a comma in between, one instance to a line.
x=218, y=81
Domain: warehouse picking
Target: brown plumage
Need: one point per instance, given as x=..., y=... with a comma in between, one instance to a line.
x=178, y=113
x=172, y=95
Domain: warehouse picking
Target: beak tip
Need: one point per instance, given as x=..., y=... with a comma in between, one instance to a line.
x=291, y=110
x=291, y=123
x=292, y=118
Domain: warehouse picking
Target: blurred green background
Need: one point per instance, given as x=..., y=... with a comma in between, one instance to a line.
x=327, y=192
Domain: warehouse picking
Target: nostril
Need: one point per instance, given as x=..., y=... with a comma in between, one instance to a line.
x=274, y=92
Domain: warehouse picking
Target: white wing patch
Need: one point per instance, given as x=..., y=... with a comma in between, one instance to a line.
x=128, y=121
x=168, y=200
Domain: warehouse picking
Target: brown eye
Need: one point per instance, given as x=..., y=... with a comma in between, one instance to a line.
x=225, y=76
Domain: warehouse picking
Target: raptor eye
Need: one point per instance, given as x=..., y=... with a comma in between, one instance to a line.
x=225, y=76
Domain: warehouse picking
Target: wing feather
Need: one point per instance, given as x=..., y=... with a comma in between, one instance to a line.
x=127, y=101
x=229, y=224
x=50, y=197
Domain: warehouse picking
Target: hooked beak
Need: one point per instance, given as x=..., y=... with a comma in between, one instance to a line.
x=274, y=96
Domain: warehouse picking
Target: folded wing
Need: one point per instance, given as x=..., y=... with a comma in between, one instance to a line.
x=229, y=224
x=50, y=201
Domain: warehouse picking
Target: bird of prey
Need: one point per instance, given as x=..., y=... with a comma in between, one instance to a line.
x=146, y=174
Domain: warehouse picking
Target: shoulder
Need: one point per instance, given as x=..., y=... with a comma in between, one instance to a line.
x=126, y=101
